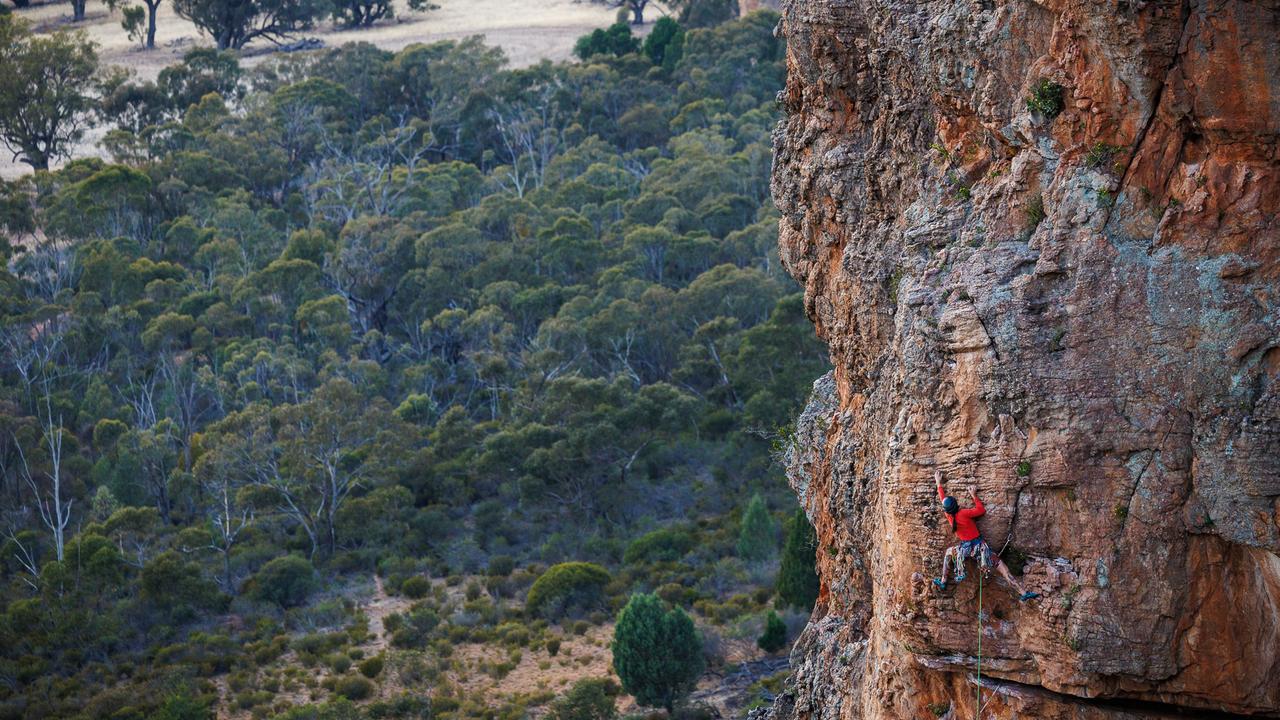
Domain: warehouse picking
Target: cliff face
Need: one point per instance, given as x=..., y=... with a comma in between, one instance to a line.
x=1078, y=313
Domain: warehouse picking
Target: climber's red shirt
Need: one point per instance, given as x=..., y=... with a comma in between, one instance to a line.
x=966, y=529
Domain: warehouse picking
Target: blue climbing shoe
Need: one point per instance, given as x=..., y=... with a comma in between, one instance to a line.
x=960, y=578
x=940, y=583
x=1028, y=595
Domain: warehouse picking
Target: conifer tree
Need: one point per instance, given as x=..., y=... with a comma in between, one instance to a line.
x=756, y=540
x=797, y=579
x=657, y=653
x=774, y=637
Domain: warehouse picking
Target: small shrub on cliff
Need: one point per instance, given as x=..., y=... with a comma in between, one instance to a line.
x=1023, y=469
x=797, y=579
x=1035, y=211
x=1100, y=154
x=1045, y=98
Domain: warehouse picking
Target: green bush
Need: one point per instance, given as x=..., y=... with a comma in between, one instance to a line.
x=553, y=646
x=513, y=634
x=416, y=587
x=414, y=629
x=567, y=588
x=353, y=687
x=183, y=706
x=371, y=667
x=677, y=594
x=616, y=40
x=588, y=699
x=340, y=662
x=286, y=581
x=774, y=637
x=665, y=43
x=501, y=565
x=663, y=544
x=1046, y=98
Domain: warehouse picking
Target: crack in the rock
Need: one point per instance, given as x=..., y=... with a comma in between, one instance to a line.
x=1155, y=102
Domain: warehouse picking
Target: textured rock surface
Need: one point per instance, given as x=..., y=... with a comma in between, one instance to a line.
x=1078, y=314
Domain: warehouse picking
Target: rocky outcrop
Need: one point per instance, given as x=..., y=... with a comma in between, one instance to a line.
x=1042, y=242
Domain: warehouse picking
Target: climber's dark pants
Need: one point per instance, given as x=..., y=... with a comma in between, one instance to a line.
x=977, y=549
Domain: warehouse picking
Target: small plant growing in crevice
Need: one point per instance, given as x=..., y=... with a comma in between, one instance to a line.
x=1121, y=511
x=1056, y=343
x=1035, y=211
x=1105, y=197
x=1046, y=98
x=1023, y=469
x=939, y=709
x=895, y=281
x=1100, y=154
x=1069, y=597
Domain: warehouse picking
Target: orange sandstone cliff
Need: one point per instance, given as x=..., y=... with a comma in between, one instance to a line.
x=1072, y=304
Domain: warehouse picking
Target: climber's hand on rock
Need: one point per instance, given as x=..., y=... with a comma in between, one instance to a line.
x=937, y=477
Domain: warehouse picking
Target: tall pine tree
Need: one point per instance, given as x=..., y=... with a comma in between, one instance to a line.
x=797, y=578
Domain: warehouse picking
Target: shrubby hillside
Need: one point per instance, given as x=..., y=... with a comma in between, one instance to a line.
x=411, y=316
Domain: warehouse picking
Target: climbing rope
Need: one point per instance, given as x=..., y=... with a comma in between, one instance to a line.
x=977, y=705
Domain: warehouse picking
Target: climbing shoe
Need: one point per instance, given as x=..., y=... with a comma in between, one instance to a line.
x=960, y=578
x=939, y=583
x=1028, y=595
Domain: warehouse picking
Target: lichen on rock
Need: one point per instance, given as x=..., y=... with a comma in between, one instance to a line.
x=1077, y=313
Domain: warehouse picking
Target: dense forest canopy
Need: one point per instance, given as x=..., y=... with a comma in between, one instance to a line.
x=414, y=314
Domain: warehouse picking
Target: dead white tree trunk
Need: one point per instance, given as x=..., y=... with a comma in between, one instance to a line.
x=54, y=510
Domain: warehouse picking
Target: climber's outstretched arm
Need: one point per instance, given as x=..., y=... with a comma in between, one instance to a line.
x=937, y=481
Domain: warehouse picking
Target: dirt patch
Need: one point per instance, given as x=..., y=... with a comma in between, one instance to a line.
x=378, y=608
x=580, y=656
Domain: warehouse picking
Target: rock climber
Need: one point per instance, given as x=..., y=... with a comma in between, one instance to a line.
x=971, y=543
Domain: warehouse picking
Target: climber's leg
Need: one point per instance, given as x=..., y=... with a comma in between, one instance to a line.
x=957, y=554
x=952, y=552
x=1008, y=575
